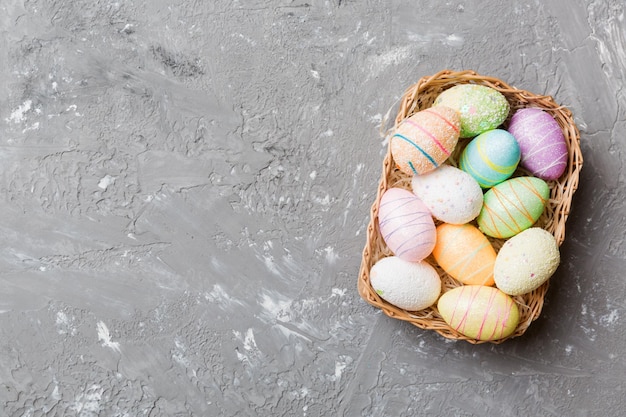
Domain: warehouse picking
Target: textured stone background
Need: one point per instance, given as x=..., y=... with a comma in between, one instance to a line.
x=186, y=186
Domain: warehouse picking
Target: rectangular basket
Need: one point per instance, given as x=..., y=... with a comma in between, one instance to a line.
x=421, y=96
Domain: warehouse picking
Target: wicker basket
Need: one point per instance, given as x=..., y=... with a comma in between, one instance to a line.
x=420, y=96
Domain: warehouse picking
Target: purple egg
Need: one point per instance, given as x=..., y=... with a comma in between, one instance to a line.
x=542, y=145
x=406, y=225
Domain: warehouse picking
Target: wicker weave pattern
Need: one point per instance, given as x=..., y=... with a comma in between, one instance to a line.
x=421, y=96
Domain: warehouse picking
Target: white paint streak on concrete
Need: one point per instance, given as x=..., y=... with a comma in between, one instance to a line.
x=179, y=353
x=18, y=115
x=376, y=119
x=455, y=40
x=64, y=324
x=73, y=108
x=88, y=402
x=610, y=319
x=219, y=296
x=251, y=354
x=391, y=58
x=339, y=292
x=34, y=126
x=106, y=181
x=340, y=365
x=275, y=305
x=331, y=255
x=249, y=343
x=104, y=336
x=270, y=264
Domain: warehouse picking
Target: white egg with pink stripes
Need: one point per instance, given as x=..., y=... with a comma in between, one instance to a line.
x=406, y=225
x=542, y=144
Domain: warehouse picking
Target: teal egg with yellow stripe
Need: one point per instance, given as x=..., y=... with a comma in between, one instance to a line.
x=490, y=157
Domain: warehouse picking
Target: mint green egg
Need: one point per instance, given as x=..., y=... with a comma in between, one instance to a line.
x=513, y=206
x=491, y=157
x=481, y=108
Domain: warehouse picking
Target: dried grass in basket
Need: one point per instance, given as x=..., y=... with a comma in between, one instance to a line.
x=420, y=96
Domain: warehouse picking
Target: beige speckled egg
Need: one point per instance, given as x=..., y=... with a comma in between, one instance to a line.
x=425, y=140
x=526, y=261
x=479, y=312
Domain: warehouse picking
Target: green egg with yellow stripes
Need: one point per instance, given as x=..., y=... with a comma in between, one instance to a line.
x=491, y=157
x=513, y=206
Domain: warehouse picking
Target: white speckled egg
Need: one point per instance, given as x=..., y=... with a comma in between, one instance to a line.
x=411, y=286
x=452, y=195
x=526, y=261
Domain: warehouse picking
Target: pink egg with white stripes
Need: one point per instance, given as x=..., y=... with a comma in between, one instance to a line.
x=541, y=141
x=406, y=225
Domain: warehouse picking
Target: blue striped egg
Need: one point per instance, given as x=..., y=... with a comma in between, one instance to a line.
x=491, y=157
x=423, y=141
x=406, y=225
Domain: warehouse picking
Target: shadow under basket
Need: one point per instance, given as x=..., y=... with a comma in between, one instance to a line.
x=421, y=96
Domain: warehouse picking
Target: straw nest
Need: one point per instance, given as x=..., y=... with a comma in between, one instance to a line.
x=420, y=96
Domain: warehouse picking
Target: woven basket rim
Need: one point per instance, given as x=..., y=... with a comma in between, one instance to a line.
x=419, y=96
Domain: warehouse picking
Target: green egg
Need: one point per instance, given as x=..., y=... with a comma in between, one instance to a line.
x=513, y=206
x=481, y=108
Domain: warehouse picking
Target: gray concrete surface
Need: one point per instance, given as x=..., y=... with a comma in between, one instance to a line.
x=186, y=186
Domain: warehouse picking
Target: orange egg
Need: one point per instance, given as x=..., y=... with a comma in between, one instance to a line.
x=425, y=140
x=465, y=253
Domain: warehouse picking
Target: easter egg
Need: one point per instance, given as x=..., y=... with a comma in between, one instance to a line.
x=465, y=253
x=479, y=312
x=411, y=286
x=513, y=206
x=423, y=141
x=406, y=225
x=451, y=195
x=541, y=141
x=490, y=157
x=526, y=261
x=481, y=108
